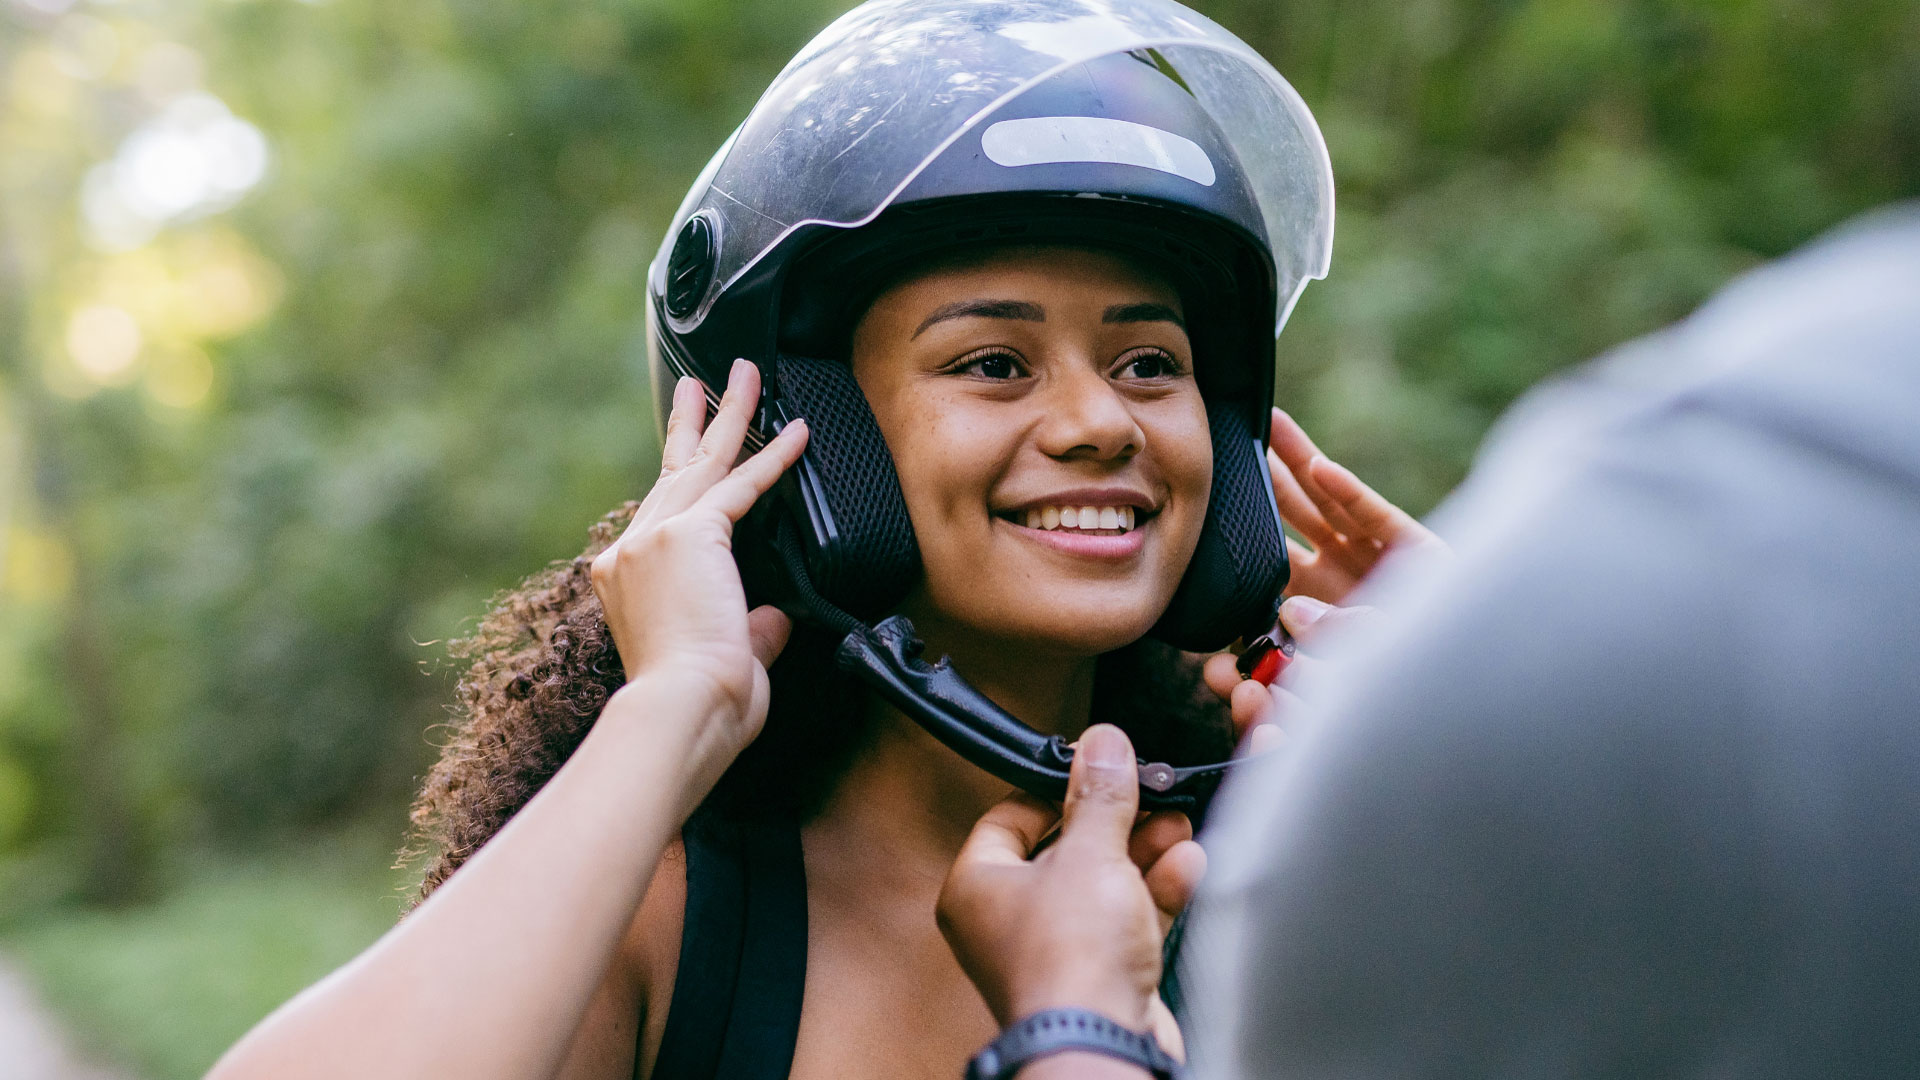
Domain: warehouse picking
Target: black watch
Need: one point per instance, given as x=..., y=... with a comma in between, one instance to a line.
x=1056, y=1031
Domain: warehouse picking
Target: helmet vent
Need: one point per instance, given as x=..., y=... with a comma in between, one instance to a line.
x=690, y=267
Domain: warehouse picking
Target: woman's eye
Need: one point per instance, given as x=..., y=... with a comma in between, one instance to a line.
x=993, y=365
x=1152, y=364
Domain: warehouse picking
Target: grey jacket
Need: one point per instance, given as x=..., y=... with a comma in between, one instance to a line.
x=1633, y=789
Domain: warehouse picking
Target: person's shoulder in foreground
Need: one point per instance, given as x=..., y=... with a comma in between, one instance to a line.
x=1631, y=790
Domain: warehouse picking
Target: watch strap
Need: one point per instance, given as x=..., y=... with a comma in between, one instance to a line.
x=1056, y=1031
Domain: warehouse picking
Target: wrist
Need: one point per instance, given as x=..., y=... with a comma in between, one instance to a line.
x=679, y=715
x=1130, y=1009
x=1073, y=1044
x=676, y=729
x=1082, y=1065
x=656, y=691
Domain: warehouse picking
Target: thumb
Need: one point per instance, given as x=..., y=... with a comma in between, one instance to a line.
x=767, y=631
x=1103, y=791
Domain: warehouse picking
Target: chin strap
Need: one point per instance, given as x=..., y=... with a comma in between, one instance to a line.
x=887, y=657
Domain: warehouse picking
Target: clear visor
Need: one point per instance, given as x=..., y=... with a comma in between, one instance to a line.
x=880, y=93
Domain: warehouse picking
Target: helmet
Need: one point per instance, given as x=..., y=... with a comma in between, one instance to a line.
x=913, y=127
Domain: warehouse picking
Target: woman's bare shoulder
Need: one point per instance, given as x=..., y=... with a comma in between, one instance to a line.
x=629, y=1011
x=651, y=949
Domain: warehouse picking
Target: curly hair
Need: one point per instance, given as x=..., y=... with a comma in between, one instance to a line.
x=542, y=664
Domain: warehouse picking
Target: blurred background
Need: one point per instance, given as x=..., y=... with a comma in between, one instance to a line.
x=320, y=324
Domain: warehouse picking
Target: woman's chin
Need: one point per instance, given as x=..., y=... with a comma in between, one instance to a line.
x=1080, y=634
x=1043, y=623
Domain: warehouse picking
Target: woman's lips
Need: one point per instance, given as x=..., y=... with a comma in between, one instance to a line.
x=1085, y=545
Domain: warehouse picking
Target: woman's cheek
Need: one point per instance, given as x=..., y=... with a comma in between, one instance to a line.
x=945, y=458
x=1183, y=445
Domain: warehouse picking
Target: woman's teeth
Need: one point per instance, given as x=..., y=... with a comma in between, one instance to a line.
x=1083, y=518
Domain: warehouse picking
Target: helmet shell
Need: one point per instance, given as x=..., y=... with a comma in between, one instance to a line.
x=865, y=108
x=912, y=126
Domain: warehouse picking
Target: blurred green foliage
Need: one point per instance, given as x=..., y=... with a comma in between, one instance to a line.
x=254, y=466
x=165, y=987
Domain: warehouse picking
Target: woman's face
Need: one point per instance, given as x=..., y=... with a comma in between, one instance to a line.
x=1051, y=442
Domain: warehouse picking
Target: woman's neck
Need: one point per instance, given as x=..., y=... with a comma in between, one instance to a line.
x=910, y=799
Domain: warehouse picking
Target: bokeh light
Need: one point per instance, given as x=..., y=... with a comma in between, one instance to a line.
x=223, y=286
x=104, y=342
x=180, y=378
x=166, y=70
x=140, y=282
x=194, y=158
x=38, y=85
x=197, y=285
x=45, y=7
x=85, y=47
x=34, y=568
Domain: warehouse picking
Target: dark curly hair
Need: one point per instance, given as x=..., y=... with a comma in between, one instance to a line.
x=542, y=664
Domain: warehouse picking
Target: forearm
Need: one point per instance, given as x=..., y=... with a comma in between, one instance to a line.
x=490, y=977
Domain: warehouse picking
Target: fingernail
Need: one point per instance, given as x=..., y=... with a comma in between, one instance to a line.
x=1300, y=612
x=735, y=372
x=1105, y=747
x=1263, y=738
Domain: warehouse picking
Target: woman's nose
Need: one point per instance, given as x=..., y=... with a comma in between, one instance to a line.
x=1087, y=417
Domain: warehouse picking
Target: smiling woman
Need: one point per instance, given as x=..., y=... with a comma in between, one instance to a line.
x=1013, y=404
x=1052, y=379
x=1060, y=389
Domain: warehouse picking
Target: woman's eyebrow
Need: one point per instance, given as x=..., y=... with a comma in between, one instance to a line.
x=1144, y=312
x=984, y=309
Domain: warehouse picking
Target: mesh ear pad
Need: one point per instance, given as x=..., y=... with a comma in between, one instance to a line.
x=1232, y=587
x=860, y=551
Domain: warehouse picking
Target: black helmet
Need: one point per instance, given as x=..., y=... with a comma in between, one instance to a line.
x=909, y=128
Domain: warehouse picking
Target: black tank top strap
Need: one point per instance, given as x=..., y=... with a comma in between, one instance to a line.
x=735, y=1013
x=1171, y=970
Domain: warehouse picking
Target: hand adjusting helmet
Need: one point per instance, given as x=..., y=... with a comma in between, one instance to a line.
x=912, y=128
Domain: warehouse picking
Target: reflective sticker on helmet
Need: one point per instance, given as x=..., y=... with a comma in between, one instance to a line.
x=1053, y=140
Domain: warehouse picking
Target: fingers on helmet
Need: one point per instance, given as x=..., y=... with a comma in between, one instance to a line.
x=740, y=489
x=1296, y=451
x=728, y=432
x=1296, y=507
x=1373, y=516
x=685, y=422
